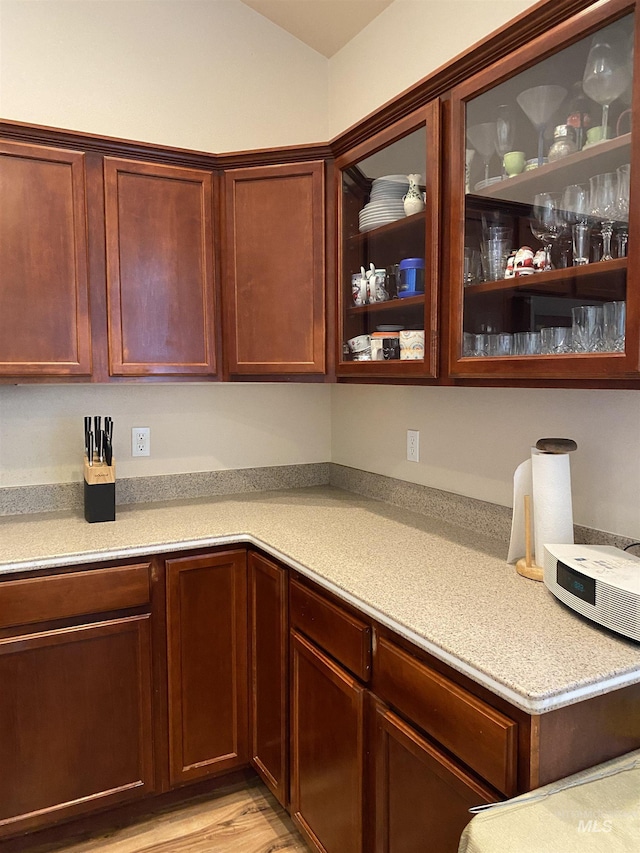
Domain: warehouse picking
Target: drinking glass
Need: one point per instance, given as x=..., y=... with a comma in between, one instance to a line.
x=468, y=344
x=547, y=221
x=482, y=137
x=575, y=202
x=539, y=104
x=482, y=344
x=555, y=340
x=526, y=343
x=505, y=132
x=602, y=200
x=494, y=254
x=614, y=317
x=471, y=266
x=622, y=209
x=500, y=343
x=587, y=328
x=606, y=77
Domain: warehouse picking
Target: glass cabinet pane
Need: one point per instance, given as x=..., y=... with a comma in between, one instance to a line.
x=543, y=264
x=387, y=257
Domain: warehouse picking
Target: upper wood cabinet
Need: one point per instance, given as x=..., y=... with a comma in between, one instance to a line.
x=559, y=108
x=160, y=273
x=44, y=296
x=388, y=319
x=274, y=269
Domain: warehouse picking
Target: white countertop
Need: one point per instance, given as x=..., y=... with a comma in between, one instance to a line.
x=448, y=590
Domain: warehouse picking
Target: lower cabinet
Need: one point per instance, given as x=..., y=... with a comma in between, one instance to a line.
x=123, y=681
x=327, y=750
x=269, y=668
x=422, y=798
x=76, y=701
x=207, y=664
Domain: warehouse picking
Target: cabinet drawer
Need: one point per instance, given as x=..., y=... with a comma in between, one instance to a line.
x=481, y=737
x=73, y=594
x=343, y=636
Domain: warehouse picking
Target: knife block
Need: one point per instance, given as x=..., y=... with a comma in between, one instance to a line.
x=99, y=491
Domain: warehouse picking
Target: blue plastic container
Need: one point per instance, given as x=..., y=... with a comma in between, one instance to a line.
x=411, y=277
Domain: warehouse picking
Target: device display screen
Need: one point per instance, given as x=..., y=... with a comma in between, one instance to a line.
x=577, y=584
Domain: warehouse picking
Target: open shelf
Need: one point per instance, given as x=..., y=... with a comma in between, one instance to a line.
x=553, y=279
x=577, y=168
x=389, y=228
x=392, y=305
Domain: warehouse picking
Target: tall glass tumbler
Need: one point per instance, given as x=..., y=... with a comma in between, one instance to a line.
x=575, y=201
x=587, y=328
x=494, y=254
x=614, y=317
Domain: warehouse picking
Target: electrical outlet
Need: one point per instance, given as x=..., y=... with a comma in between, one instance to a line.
x=141, y=441
x=413, y=445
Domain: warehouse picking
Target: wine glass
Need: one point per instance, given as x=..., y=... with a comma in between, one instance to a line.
x=602, y=200
x=606, y=77
x=505, y=132
x=547, y=222
x=482, y=137
x=539, y=104
x=575, y=202
x=623, y=174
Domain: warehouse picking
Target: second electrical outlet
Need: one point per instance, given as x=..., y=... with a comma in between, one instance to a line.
x=141, y=441
x=413, y=445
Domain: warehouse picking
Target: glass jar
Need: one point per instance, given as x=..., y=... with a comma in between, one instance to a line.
x=564, y=142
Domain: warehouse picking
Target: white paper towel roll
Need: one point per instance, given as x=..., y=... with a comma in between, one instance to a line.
x=547, y=478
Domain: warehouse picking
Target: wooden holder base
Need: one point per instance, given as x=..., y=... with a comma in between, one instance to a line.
x=525, y=565
x=533, y=572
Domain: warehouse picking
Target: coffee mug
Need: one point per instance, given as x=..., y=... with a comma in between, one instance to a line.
x=359, y=343
x=391, y=348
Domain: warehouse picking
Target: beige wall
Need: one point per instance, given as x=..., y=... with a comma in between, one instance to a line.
x=193, y=428
x=217, y=76
x=213, y=76
x=472, y=439
x=407, y=41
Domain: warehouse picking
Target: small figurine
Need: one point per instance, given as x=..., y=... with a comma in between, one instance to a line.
x=510, y=271
x=524, y=262
x=540, y=261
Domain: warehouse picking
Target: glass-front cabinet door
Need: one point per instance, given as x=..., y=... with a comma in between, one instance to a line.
x=543, y=271
x=387, y=255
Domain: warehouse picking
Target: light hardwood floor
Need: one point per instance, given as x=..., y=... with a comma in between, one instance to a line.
x=236, y=819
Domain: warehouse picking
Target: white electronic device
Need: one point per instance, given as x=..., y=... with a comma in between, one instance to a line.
x=598, y=581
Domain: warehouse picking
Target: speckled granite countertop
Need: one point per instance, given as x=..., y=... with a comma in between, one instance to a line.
x=447, y=589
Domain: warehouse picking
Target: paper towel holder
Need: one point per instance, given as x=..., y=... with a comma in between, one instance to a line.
x=525, y=565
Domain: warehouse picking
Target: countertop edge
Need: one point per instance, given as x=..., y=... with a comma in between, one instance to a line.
x=529, y=705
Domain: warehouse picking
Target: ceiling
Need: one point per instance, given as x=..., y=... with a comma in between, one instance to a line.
x=325, y=25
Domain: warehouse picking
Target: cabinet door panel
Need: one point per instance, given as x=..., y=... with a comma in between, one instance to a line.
x=422, y=798
x=207, y=659
x=44, y=302
x=75, y=721
x=274, y=282
x=327, y=746
x=159, y=269
x=269, y=682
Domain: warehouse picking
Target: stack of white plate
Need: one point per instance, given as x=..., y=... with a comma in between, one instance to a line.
x=385, y=203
